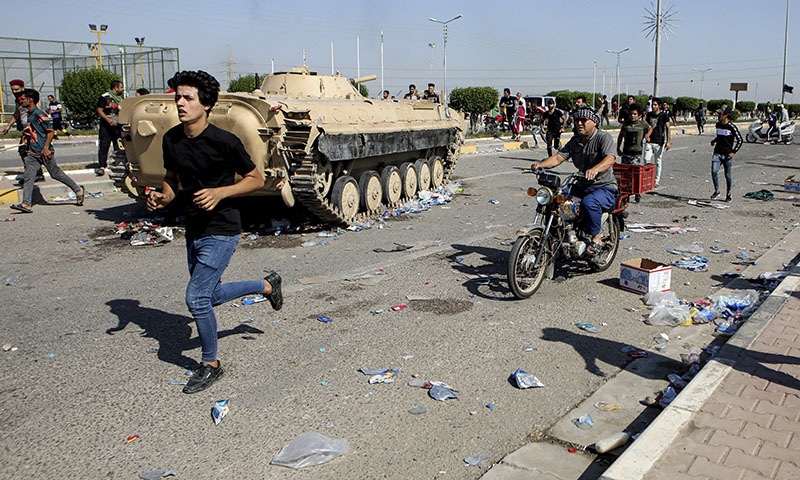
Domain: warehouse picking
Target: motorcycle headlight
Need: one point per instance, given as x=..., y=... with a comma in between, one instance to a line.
x=544, y=196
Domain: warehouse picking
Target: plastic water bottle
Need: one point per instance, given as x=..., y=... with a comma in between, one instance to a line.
x=611, y=442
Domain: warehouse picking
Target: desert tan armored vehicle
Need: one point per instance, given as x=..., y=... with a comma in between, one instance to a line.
x=340, y=155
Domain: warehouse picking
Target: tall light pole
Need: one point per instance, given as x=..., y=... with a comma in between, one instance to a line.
x=137, y=66
x=618, y=53
x=100, y=32
x=444, y=32
x=594, y=80
x=785, y=50
x=702, y=78
x=430, y=75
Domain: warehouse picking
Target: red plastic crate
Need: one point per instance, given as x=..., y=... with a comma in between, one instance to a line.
x=635, y=179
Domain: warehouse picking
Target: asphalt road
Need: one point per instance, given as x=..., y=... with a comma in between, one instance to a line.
x=81, y=153
x=101, y=329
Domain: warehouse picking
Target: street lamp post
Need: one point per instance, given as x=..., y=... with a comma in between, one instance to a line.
x=100, y=32
x=430, y=75
x=138, y=68
x=702, y=78
x=618, y=54
x=444, y=32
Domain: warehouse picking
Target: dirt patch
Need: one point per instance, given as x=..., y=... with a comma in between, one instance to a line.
x=270, y=241
x=441, y=306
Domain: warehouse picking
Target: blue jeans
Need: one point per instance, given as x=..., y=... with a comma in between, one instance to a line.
x=593, y=203
x=208, y=257
x=726, y=162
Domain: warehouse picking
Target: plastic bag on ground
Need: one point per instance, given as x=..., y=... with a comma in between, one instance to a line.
x=669, y=315
x=742, y=302
x=310, y=449
x=660, y=298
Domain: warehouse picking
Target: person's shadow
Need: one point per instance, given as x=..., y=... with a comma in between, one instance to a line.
x=593, y=348
x=172, y=332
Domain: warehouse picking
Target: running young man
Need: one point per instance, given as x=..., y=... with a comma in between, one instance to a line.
x=204, y=159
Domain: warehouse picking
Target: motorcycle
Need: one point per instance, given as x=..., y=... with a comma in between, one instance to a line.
x=557, y=234
x=757, y=132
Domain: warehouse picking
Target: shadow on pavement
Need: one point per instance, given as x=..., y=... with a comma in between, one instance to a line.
x=592, y=349
x=172, y=332
x=490, y=272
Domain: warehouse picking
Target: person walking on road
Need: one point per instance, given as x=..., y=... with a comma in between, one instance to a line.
x=39, y=136
x=204, y=160
x=553, y=120
x=604, y=112
x=726, y=144
x=700, y=118
x=631, y=139
x=658, y=139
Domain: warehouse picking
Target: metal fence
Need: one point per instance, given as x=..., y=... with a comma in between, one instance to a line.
x=42, y=63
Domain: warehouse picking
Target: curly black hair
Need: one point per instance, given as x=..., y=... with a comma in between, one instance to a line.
x=207, y=86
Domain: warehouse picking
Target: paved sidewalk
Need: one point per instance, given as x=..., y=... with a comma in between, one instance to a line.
x=744, y=419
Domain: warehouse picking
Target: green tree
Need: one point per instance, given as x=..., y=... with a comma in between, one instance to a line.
x=80, y=90
x=245, y=83
x=687, y=104
x=363, y=90
x=714, y=105
x=474, y=101
x=745, y=106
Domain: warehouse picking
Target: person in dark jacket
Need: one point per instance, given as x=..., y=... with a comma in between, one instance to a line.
x=726, y=144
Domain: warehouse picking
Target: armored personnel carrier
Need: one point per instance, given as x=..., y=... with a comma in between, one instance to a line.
x=316, y=140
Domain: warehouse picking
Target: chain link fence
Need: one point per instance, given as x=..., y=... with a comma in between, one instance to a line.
x=41, y=65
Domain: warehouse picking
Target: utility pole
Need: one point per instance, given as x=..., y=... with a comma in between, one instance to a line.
x=785, y=50
x=702, y=78
x=230, y=64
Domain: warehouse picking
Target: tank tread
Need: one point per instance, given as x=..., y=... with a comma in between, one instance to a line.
x=303, y=183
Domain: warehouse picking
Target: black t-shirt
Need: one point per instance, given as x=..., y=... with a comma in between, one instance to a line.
x=508, y=105
x=659, y=123
x=109, y=107
x=554, y=120
x=208, y=160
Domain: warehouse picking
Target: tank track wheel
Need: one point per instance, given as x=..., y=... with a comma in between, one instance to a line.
x=409, y=175
x=436, y=167
x=370, y=191
x=423, y=174
x=344, y=197
x=392, y=185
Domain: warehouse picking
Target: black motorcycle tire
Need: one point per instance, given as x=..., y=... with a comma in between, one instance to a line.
x=524, y=278
x=750, y=138
x=605, y=258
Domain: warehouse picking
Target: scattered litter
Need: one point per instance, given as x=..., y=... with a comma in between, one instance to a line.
x=490, y=406
x=607, y=407
x=417, y=298
x=669, y=315
x=690, y=248
x=398, y=247
x=523, y=379
x=476, y=460
x=588, y=327
x=667, y=396
x=397, y=308
x=178, y=382
x=385, y=376
x=493, y=201
x=376, y=311
x=701, y=203
x=152, y=237
x=764, y=195
x=584, y=422
x=528, y=348
x=12, y=282
x=715, y=249
x=611, y=442
x=131, y=439
x=324, y=319
x=8, y=348
x=251, y=299
x=219, y=411
x=313, y=243
x=310, y=449
x=438, y=392
x=156, y=474
x=676, y=381
x=638, y=354
x=418, y=410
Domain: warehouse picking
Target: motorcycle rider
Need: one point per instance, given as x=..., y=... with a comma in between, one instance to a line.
x=592, y=151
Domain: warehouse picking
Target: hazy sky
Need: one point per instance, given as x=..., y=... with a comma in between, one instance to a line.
x=528, y=46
